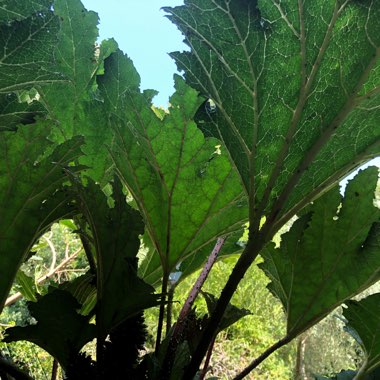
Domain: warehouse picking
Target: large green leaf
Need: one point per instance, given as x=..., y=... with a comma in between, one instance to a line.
x=60, y=330
x=184, y=186
x=115, y=238
x=14, y=111
x=77, y=58
x=329, y=255
x=364, y=318
x=294, y=89
x=19, y=9
x=26, y=51
x=30, y=199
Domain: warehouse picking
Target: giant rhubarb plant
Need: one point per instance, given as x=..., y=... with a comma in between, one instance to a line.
x=293, y=91
x=279, y=100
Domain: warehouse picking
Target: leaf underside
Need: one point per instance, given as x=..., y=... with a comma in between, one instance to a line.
x=115, y=241
x=183, y=185
x=31, y=193
x=330, y=254
x=295, y=90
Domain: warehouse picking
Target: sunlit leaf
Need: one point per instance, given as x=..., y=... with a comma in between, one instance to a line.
x=76, y=58
x=329, y=255
x=19, y=9
x=30, y=195
x=26, y=52
x=294, y=89
x=27, y=286
x=187, y=191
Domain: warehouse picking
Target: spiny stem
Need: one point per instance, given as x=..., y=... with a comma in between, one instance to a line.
x=246, y=259
x=201, y=280
x=180, y=325
x=282, y=342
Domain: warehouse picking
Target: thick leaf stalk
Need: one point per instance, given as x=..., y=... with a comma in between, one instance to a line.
x=246, y=259
x=161, y=314
x=175, y=339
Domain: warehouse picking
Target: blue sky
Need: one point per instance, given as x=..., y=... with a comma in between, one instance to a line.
x=142, y=32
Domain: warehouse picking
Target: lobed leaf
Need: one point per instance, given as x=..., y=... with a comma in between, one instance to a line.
x=293, y=89
x=26, y=52
x=76, y=57
x=19, y=9
x=31, y=196
x=187, y=192
x=330, y=254
x=60, y=330
x=115, y=239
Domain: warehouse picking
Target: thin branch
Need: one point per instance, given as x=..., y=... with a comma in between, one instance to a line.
x=5, y=325
x=15, y=297
x=262, y=357
x=300, y=370
x=362, y=373
x=65, y=271
x=54, y=370
x=67, y=250
x=53, y=253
